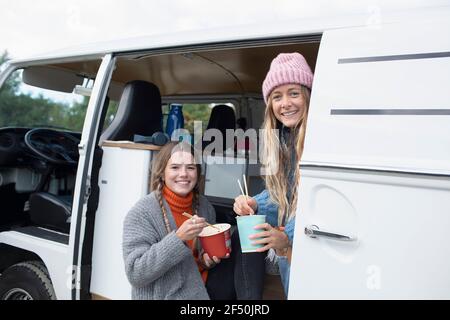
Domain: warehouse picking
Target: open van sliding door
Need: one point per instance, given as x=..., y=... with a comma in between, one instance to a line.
x=82, y=184
x=376, y=167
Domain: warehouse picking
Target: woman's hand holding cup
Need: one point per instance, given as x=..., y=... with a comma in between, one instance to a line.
x=210, y=262
x=269, y=237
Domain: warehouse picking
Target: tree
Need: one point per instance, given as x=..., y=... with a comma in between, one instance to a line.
x=7, y=94
x=195, y=112
x=12, y=83
x=3, y=57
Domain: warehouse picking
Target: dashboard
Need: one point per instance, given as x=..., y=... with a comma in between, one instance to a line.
x=15, y=152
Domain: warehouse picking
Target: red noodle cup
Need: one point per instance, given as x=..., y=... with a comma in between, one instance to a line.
x=214, y=242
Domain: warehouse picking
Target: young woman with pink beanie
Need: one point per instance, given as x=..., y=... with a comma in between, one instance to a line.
x=286, y=90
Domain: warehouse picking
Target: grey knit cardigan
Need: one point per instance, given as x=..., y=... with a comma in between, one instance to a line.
x=158, y=264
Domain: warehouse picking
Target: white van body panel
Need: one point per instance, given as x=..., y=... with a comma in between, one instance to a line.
x=373, y=16
x=411, y=142
x=56, y=256
x=401, y=223
x=86, y=151
x=124, y=174
x=380, y=176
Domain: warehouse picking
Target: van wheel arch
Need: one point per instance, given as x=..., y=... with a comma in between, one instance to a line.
x=28, y=280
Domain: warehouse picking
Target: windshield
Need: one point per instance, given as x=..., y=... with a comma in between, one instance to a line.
x=25, y=105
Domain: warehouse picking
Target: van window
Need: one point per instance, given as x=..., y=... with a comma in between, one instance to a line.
x=110, y=114
x=191, y=112
x=42, y=113
x=25, y=105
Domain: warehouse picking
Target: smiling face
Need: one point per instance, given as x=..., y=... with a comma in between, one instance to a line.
x=288, y=104
x=180, y=174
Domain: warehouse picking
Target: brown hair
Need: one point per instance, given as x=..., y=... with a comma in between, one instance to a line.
x=157, y=175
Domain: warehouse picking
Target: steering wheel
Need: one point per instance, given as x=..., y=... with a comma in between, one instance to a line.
x=53, y=146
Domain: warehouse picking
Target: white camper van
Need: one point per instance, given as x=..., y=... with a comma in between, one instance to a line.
x=373, y=217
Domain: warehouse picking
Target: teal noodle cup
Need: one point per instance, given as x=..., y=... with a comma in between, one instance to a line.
x=245, y=225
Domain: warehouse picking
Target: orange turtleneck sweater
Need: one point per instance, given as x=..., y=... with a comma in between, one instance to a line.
x=178, y=205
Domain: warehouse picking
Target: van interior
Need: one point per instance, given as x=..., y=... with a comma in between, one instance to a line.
x=38, y=162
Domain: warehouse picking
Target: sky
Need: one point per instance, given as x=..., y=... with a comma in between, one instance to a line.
x=29, y=27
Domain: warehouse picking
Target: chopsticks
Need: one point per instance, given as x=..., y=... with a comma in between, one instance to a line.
x=240, y=187
x=190, y=216
x=245, y=185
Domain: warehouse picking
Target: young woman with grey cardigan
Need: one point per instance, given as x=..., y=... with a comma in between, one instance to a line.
x=162, y=258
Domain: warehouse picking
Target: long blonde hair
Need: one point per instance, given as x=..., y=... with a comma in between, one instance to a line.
x=274, y=153
x=157, y=175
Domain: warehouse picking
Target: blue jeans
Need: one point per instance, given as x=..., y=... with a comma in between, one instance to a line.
x=285, y=268
x=220, y=281
x=239, y=277
x=249, y=271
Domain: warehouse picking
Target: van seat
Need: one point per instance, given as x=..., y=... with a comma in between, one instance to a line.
x=222, y=118
x=50, y=211
x=139, y=112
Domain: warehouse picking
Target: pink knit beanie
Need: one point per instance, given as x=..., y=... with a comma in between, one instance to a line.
x=287, y=68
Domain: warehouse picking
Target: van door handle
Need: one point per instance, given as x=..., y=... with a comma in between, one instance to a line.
x=313, y=231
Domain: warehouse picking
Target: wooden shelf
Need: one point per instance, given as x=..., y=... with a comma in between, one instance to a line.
x=130, y=145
